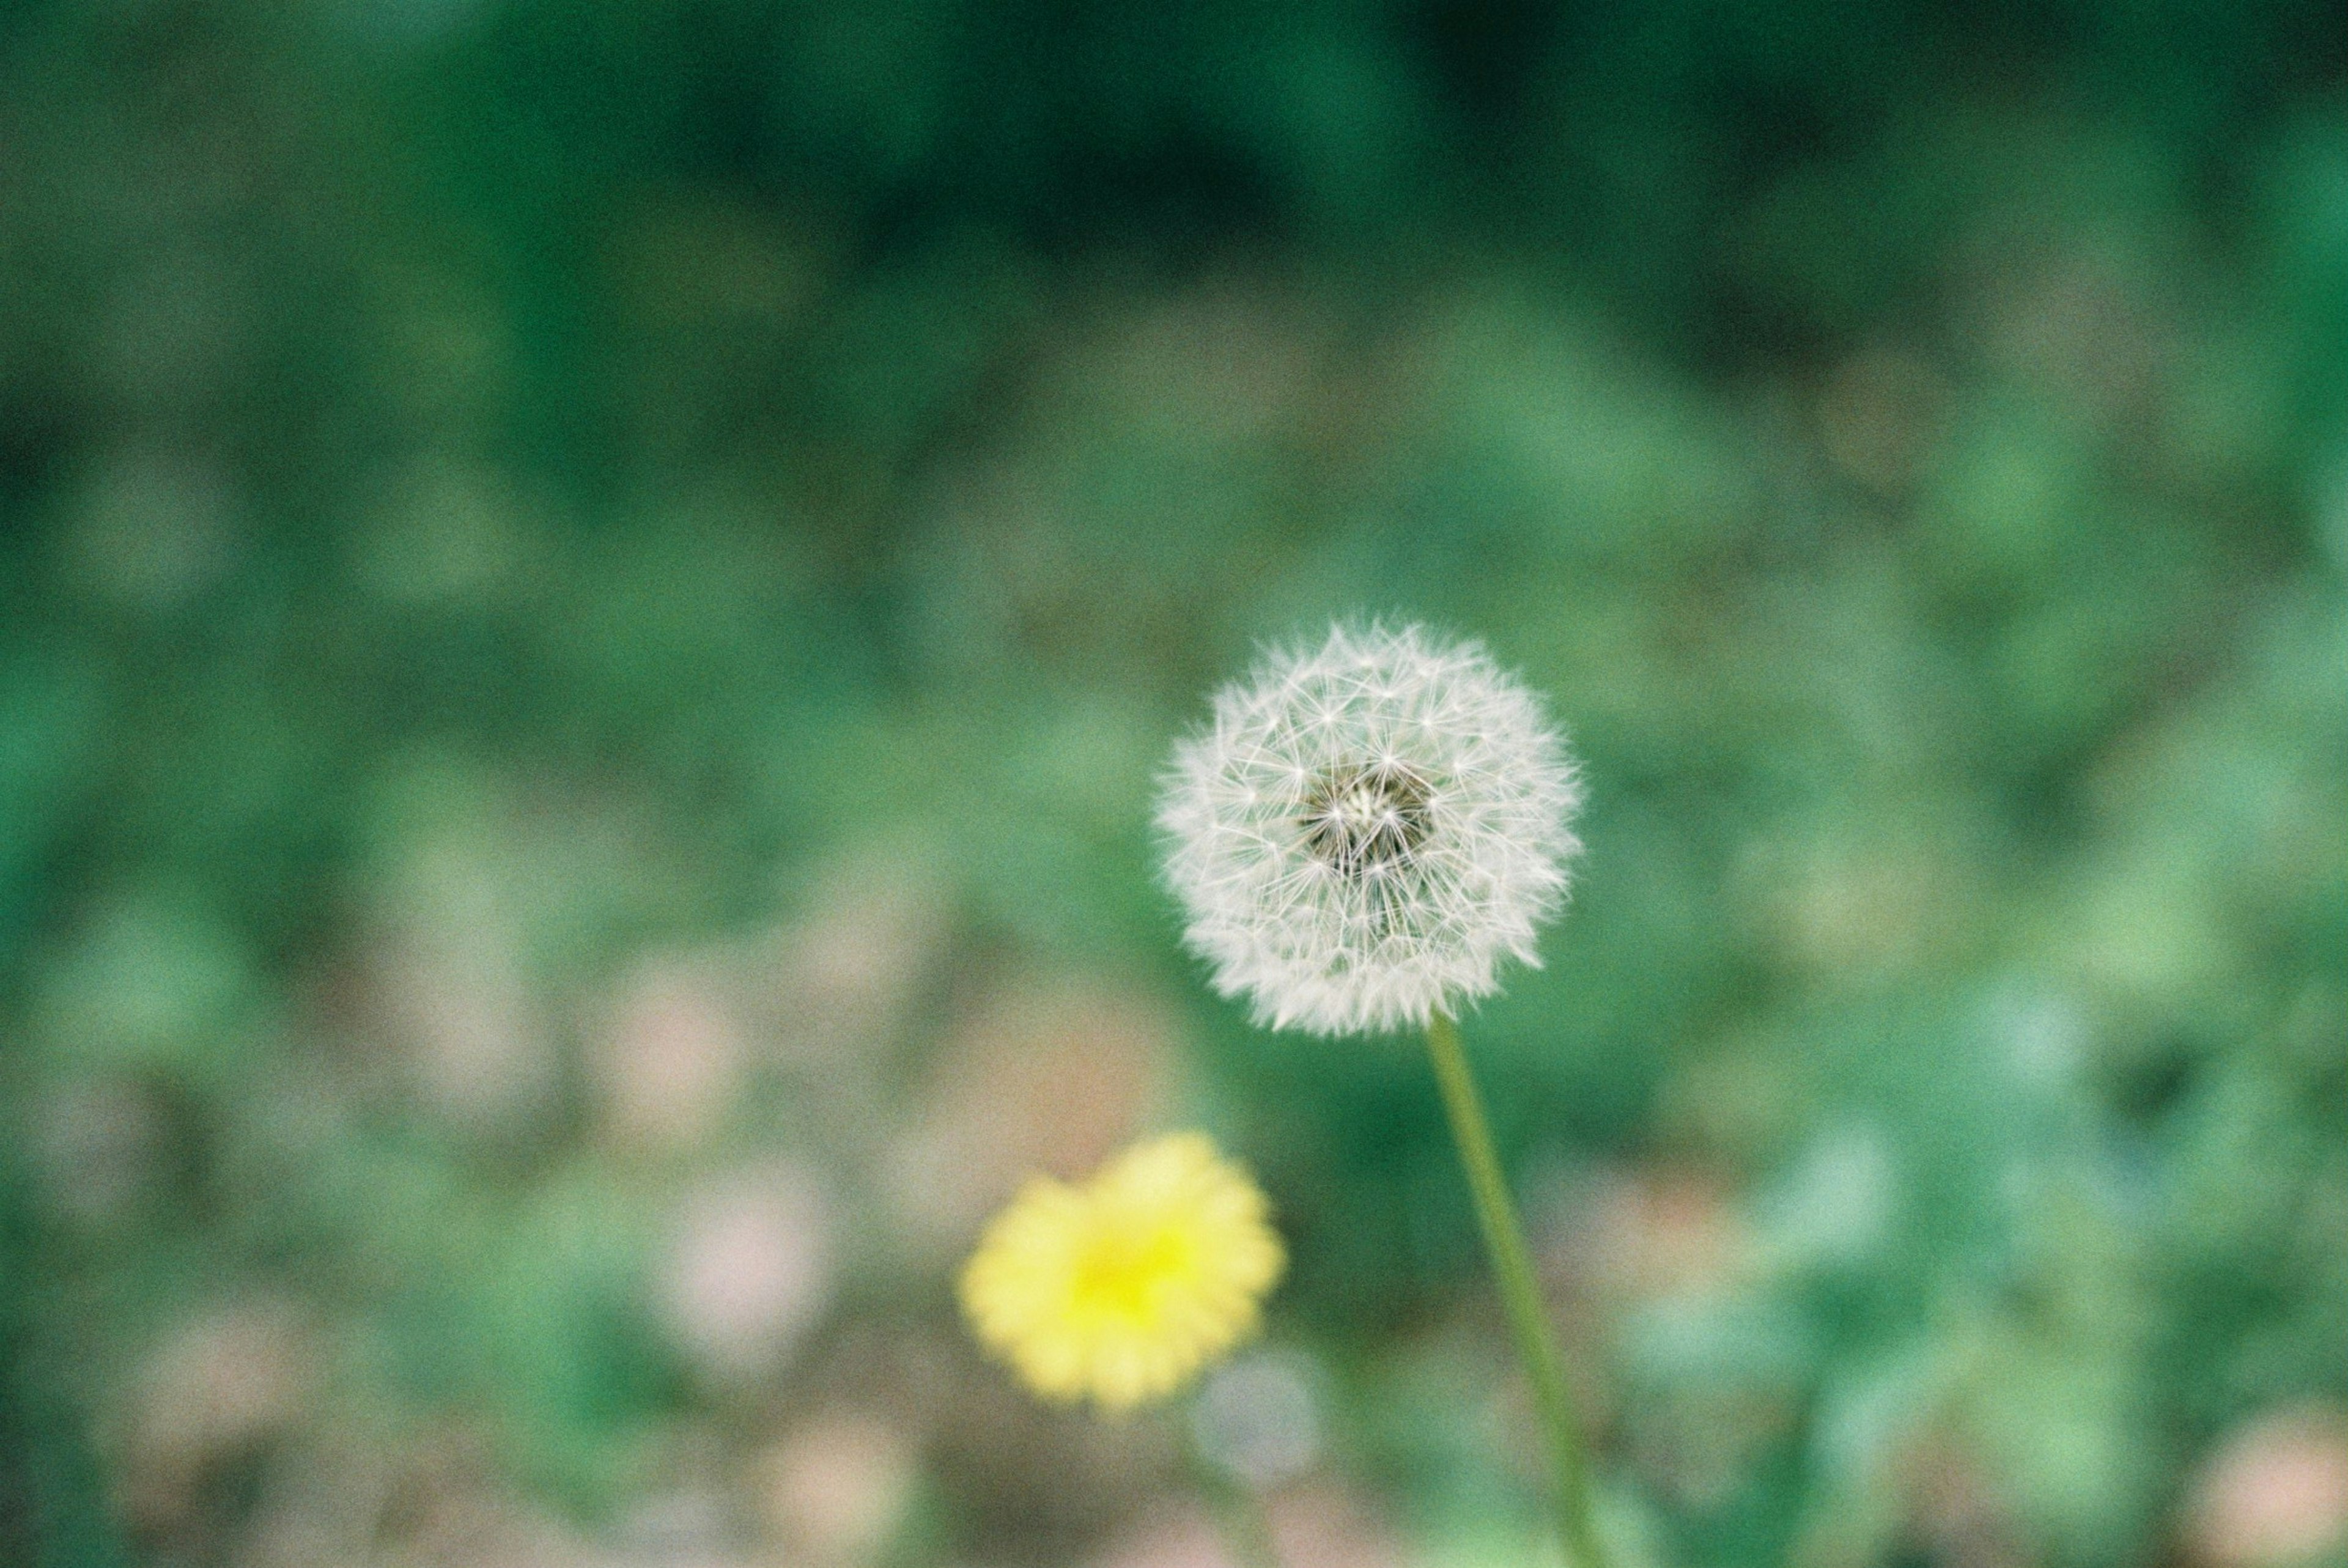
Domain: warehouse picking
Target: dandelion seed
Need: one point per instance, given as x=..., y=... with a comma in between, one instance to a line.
x=1119, y=1289
x=1365, y=831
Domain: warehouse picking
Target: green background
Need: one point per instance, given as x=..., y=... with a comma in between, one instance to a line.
x=592, y=596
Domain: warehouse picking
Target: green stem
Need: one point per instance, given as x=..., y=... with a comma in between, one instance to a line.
x=1246, y=1532
x=1504, y=1240
x=1239, y=1510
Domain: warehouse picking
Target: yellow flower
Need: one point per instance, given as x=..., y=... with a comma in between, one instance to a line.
x=1119, y=1288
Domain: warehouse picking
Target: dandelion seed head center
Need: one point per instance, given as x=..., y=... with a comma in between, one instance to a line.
x=1364, y=820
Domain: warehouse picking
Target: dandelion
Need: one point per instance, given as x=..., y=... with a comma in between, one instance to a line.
x=1120, y=1288
x=1367, y=830
x=1360, y=839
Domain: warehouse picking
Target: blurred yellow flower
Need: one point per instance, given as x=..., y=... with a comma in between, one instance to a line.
x=1119, y=1288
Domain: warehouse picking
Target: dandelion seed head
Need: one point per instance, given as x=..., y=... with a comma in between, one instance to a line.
x=1365, y=831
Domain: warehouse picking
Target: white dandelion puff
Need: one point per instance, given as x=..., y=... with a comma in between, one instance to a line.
x=1366, y=830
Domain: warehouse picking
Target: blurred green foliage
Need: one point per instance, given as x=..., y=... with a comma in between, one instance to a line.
x=491, y=490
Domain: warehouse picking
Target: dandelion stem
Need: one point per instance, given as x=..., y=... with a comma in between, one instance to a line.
x=1504, y=1240
x=1239, y=1515
x=1246, y=1530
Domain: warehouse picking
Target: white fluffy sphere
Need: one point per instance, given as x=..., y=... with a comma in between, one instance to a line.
x=1366, y=830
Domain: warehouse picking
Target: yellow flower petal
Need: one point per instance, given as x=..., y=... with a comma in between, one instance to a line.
x=1121, y=1289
